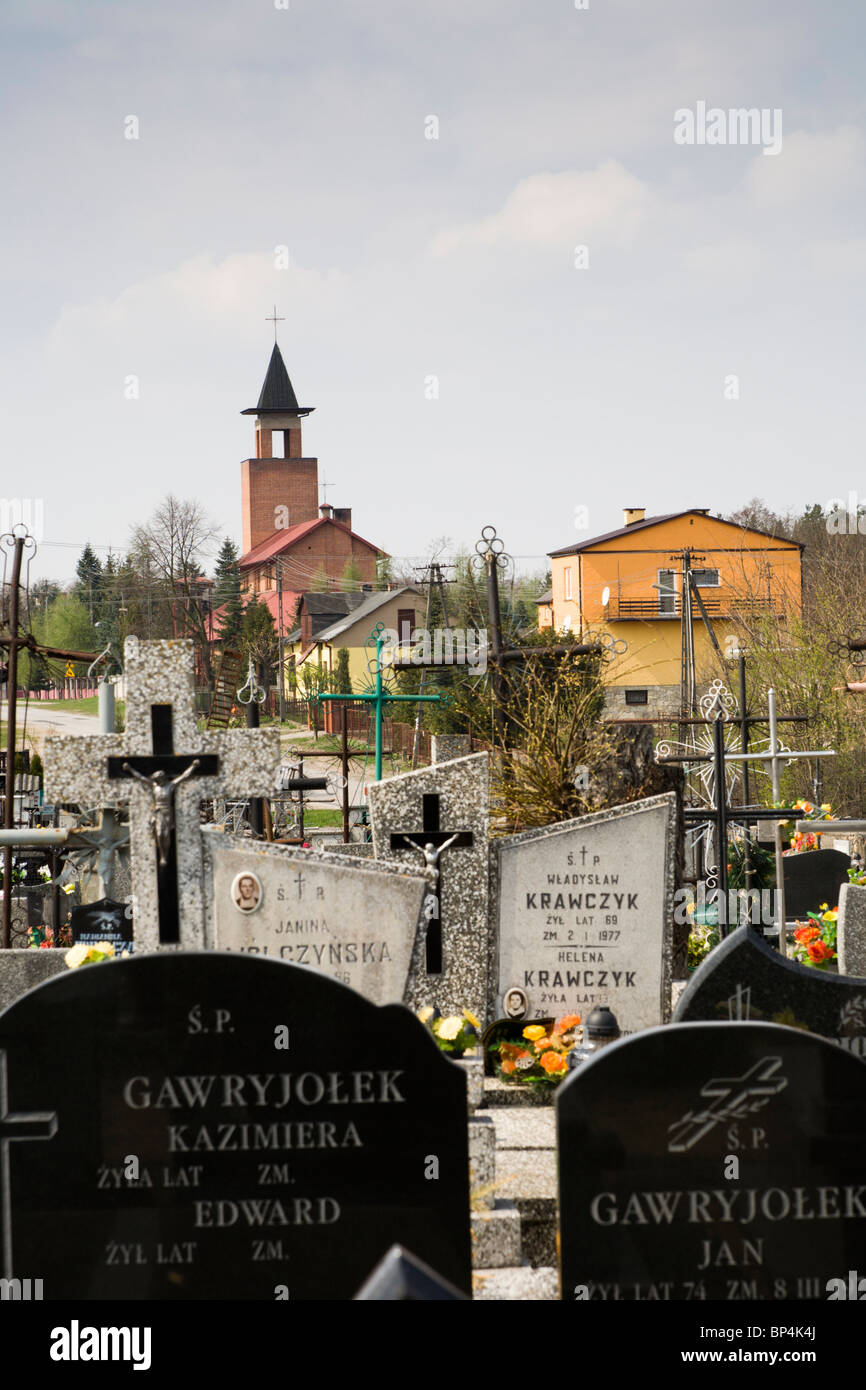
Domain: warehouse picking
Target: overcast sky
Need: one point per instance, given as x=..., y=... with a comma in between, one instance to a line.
x=560, y=386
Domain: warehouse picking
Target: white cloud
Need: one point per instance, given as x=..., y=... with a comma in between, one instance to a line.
x=724, y=259
x=557, y=210
x=165, y=313
x=810, y=166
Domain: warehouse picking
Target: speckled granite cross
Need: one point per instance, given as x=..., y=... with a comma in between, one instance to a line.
x=162, y=736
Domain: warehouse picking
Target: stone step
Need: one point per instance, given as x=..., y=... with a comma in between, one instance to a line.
x=518, y=1284
x=496, y=1236
x=524, y=1127
x=498, y=1092
x=527, y=1176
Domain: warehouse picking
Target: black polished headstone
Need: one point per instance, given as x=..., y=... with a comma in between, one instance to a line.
x=812, y=878
x=400, y=1278
x=712, y=1162
x=285, y=1131
x=104, y=920
x=745, y=980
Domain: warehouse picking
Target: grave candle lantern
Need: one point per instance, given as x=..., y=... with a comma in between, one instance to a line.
x=600, y=1029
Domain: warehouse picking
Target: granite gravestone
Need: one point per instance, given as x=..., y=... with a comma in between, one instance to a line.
x=585, y=915
x=357, y=921
x=811, y=878
x=162, y=741
x=445, y=807
x=651, y=1207
x=745, y=980
x=224, y=1127
x=103, y=921
x=851, y=929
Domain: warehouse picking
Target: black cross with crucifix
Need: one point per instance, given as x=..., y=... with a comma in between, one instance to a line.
x=164, y=769
x=432, y=842
x=721, y=813
x=36, y=1124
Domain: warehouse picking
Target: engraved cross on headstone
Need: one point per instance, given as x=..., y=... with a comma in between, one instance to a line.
x=37, y=1124
x=163, y=767
x=432, y=842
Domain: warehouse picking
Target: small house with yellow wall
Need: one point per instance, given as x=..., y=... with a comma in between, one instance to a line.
x=630, y=584
x=330, y=620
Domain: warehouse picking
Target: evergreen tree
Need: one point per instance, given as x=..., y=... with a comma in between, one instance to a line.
x=88, y=581
x=342, y=678
x=227, y=594
x=351, y=576
x=384, y=572
x=259, y=638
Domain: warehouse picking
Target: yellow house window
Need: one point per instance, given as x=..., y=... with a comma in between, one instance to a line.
x=567, y=575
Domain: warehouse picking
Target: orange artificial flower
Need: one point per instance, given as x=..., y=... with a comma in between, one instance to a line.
x=804, y=935
x=818, y=951
x=570, y=1021
x=553, y=1062
x=507, y=1066
x=542, y=1043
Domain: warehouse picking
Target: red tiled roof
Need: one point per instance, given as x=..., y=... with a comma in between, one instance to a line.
x=270, y=599
x=281, y=541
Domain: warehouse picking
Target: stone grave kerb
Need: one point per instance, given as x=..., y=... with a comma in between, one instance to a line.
x=168, y=901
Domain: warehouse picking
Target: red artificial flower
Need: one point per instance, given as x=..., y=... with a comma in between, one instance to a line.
x=819, y=951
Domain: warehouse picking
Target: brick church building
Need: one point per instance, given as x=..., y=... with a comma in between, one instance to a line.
x=289, y=539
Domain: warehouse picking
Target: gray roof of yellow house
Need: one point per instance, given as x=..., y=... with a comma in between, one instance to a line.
x=372, y=603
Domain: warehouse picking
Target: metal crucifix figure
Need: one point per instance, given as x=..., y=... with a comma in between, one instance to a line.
x=431, y=854
x=162, y=789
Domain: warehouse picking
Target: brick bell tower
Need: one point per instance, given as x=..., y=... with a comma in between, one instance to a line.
x=279, y=480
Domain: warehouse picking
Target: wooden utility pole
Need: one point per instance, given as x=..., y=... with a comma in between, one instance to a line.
x=11, y=692
x=15, y=642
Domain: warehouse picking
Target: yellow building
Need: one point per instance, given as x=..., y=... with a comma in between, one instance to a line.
x=330, y=620
x=630, y=583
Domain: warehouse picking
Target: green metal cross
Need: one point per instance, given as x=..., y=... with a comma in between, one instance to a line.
x=379, y=696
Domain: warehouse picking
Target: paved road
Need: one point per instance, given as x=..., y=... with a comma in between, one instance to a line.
x=42, y=720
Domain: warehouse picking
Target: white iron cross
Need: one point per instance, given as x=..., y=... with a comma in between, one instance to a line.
x=163, y=767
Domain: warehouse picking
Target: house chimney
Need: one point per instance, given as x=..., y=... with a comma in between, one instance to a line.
x=633, y=514
x=326, y=510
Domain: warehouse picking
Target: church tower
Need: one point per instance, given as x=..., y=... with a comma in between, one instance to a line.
x=279, y=487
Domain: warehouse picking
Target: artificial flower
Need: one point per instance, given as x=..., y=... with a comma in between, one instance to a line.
x=553, y=1062
x=819, y=951
x=570, y=1021
x=534, y=1032
x=450, y=1027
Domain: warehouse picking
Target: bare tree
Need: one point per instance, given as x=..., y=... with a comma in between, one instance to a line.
x=170, y=545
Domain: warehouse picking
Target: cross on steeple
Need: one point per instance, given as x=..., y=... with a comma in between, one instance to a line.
x=274, y=318
x=36, y=1124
